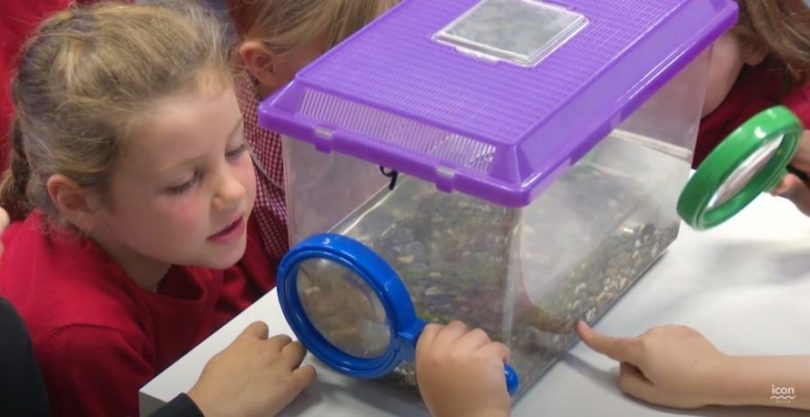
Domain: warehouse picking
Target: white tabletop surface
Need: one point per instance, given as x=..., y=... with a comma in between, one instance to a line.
x=745, y=285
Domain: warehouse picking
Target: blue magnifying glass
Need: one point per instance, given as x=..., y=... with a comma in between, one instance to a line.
x=350, y=308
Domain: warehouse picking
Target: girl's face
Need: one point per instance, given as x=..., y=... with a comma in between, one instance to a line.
x=727, y=61
x=183, y=188
x=726, y=64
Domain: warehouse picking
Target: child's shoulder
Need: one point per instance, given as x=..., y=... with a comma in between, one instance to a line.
x=57, y=280
x=38, y=246
x=23, y=229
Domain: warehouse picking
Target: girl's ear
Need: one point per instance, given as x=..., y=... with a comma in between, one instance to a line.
x=262, y=64
x=79, y=206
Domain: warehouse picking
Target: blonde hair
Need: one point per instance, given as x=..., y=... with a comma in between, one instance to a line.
x=284, y=24
x=782, y=28
x=86, y=77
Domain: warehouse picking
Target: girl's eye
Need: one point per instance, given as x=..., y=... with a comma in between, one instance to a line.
x=180, y=189
x=237, y=152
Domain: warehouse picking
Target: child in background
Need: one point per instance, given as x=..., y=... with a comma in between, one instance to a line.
x=763, y=61
x=277, y=38
x=766, y=58
x=132, y=190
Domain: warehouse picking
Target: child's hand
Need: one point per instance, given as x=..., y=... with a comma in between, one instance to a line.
x=793, y=188
x=671, y=365
x=253, y=377
x=460, y=372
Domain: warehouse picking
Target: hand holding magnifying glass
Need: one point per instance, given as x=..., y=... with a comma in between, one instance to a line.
x=350, y=308
x=755, y=158
x=795, y=188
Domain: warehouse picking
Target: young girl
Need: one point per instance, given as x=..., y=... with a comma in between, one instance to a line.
x=128, y=164
x=763, y=61
x=132, y=190
x=276, y=39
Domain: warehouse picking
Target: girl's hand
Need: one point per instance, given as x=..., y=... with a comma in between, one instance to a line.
x=795, y=190
x=673, y=366
x=253, y=377
x=460, y=372
x=792, y=187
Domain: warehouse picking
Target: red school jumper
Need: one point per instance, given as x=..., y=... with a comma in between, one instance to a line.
x=97, y=335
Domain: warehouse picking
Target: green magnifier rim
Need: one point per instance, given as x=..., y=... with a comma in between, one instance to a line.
x=734, y=150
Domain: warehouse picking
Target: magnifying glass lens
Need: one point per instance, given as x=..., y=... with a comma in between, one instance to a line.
x=745, y=172
x=343, y=308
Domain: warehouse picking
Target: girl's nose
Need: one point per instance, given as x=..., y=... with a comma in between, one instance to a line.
x=230, y=192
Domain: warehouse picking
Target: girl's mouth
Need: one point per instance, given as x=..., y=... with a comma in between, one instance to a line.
x=230, y=232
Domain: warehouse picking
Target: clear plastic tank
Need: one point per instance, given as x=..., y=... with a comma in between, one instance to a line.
x=538, y=168
x=525, y=275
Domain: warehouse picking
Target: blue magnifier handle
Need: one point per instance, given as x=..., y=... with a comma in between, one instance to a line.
x=411, y=337
x=512, y=379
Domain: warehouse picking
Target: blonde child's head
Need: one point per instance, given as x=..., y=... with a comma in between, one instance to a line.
x=279, y=37
x=127, y=129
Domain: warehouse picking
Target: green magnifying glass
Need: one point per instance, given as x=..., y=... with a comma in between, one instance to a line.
x=752, y=159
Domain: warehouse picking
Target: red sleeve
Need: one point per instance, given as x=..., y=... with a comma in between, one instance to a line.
x=249, y=279
x=92, y=371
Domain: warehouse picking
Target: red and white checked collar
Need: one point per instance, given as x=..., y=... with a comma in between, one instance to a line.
x=270, y=208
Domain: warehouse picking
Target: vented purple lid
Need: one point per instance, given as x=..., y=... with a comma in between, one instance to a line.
x=492, y=98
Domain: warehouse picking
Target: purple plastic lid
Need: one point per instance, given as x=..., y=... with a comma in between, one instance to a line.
x=396, y=95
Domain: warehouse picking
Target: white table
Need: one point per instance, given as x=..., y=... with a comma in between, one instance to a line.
x=745, y=285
